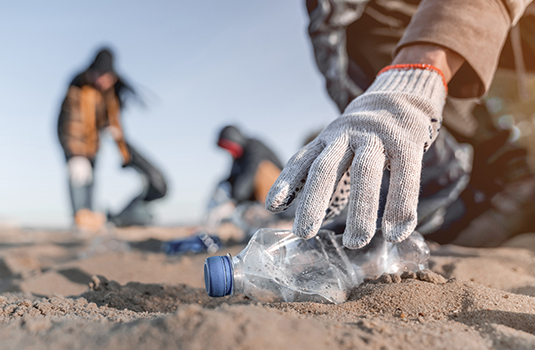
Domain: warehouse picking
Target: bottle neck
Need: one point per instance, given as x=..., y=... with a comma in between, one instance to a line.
x=237, y=275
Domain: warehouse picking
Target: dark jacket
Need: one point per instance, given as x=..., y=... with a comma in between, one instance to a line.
x=254, y=172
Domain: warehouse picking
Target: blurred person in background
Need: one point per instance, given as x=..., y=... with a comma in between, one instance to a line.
x=93, y=104
x=236, y=208
x=255, y=167
x=240, y=198
x=479, y=195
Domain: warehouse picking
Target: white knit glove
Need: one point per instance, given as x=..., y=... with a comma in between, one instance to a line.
x=392, y=124
x=80, y=171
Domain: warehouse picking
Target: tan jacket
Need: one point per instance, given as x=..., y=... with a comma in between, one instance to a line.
x=475, y=29
x=84, y=113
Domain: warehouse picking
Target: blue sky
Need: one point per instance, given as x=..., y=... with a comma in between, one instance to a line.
x=198, y=65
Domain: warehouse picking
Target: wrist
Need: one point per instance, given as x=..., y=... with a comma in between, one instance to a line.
x=421, y=80
x=445, y=60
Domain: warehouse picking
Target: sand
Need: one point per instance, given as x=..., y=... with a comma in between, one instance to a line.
x=60, y=290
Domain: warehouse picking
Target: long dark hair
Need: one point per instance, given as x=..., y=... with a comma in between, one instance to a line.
x=104, y=63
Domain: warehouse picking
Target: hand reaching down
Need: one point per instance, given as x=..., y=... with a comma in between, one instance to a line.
x=391, y=125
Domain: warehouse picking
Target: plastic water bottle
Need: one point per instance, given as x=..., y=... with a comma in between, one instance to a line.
x=278, y=266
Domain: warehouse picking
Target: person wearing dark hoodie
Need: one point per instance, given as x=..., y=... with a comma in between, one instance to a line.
x=255, y=167
x=93, y=104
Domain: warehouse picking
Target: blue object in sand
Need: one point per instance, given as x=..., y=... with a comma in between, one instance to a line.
x=201, y=243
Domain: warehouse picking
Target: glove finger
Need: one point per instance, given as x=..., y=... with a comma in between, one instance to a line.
x=292, y=178
x=340, y=197
x=319, y=187
x=401, y=217
x=366, y=176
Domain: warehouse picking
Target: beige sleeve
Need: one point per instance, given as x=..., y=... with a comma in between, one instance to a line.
x=516, y=8
x=475, y=29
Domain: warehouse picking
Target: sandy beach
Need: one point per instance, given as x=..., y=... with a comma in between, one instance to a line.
x=63, y=290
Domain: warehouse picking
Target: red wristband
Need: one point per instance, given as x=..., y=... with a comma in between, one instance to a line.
x=416, y=66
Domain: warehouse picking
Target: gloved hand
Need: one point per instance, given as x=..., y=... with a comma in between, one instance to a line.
x=391, y=125
x=80, y=171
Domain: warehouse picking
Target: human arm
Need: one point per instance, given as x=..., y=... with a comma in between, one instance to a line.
x=115, y=127
x=476, y=30
x=346, y=143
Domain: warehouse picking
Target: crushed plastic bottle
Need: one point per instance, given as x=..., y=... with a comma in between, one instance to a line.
x=278, y=266
x=380, y=256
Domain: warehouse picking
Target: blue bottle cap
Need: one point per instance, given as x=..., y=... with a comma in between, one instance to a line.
x=218, y=276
